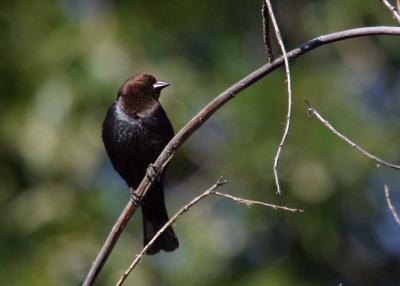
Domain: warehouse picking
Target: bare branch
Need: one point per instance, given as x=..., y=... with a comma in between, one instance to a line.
x=198, y=120
x=390, y=205
x=250, y=202
x=313, y=111
x=395, y=12
x=185, y=208
x=289, y=90
x=266, y=35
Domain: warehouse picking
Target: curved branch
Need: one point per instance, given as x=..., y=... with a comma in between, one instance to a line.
x=199, y=119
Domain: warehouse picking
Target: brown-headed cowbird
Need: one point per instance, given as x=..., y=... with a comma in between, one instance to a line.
x=135, y=131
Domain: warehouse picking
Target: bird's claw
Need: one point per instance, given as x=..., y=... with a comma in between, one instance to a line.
x=152, y=173
x=134, y=198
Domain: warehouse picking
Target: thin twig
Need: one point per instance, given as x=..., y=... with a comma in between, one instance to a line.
x=289, y=90
x=266, y=34
x=198, y=120
x=184, y=209
x=210, y=191
x=395, y=12
x=250, y=202
x=313, y=111
x=390, y=205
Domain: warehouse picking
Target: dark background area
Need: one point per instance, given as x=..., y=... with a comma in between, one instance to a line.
x=61, y=64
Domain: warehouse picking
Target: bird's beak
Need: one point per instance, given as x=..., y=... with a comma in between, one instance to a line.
x=159, y=85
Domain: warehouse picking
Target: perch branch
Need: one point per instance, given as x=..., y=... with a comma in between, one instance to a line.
x=185, y=208
x=391, y=206
x=289, y=91
x=395, y=12
x=313, y=111
x=201, y=117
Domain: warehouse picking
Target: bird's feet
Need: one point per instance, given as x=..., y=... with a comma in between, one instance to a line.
x=152, y=173
x=134, y=198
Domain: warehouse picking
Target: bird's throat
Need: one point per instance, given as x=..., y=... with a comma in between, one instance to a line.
x=137, y=105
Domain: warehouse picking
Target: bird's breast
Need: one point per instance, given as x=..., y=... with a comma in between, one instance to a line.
x=139, y=133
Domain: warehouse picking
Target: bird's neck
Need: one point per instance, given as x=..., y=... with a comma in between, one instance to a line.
x=137, y=105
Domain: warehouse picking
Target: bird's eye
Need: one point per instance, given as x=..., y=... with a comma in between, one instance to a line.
x=146, y=81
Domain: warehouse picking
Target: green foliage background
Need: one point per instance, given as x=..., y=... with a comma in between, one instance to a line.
x=60, y=67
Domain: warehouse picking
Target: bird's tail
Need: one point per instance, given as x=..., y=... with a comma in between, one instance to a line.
x=154, y=217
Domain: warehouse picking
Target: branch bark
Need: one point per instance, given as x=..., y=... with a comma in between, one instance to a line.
x=198, y=120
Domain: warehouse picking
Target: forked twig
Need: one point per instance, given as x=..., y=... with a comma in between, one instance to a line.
x=185, y=208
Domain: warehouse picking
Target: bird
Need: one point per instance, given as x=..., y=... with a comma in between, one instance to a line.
x=135, y=131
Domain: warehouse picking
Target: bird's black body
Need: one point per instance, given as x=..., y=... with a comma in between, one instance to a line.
x=134, y=142
x=135, y=131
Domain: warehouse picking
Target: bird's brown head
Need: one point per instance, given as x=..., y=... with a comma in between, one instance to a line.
x=144, y=84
